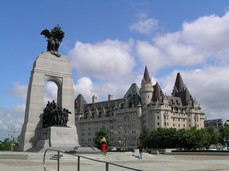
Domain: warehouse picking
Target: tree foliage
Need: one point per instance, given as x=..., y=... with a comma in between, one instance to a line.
x=144, y=138
x=99, y=135
x=8, y=144
x=224, y=135
x=184, y=138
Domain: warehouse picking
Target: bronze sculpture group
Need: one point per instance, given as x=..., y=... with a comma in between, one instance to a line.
x=54, y=115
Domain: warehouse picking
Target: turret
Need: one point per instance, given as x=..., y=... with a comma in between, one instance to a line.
x=158, y=94
x=180, y=90
x=146, y=89
x=179, y=84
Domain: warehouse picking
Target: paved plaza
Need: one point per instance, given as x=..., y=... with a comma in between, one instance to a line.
x=15, y=161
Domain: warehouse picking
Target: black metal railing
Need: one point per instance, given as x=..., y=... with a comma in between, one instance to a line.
x=58, y=156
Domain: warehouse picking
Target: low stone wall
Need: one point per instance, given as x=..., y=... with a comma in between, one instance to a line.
x=207, y=152
x=160, y=151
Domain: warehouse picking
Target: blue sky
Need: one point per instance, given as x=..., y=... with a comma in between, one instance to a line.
x=109, y=43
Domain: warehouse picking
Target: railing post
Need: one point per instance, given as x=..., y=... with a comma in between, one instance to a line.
x=78, y=157
x=107, y=166
x=58, y=161
x=78, y=166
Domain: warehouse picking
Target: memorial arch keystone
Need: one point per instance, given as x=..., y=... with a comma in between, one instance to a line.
x=49, y=66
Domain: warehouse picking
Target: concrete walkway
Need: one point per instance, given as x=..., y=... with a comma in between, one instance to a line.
x=18, y=161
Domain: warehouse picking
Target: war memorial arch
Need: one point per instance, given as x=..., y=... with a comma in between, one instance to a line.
x=49, y=66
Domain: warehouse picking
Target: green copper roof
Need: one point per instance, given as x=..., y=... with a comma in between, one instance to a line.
x=132, y=95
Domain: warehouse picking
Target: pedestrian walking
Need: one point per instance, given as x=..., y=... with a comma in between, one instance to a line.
x=140, y=147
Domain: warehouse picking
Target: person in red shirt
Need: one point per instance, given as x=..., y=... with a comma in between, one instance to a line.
x=104, y=148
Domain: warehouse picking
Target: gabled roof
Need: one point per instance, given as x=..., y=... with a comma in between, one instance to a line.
x=157, y=93
x=80, y=98
x=100, y=108
x=146, y=77
x=80, y=103
x=180, y=90
x=185, y=96
x=132, y=95
x=132, y=90
x=179, y=84
x=175, y=101
x=110, y=104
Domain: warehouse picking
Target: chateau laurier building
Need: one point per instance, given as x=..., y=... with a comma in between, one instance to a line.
x=147, y=107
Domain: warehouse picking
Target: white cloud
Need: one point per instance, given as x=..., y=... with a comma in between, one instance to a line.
x=150, y=56
x=102, y=89
x=19, y=90
x=210, y=33
x=3, y=125
x=144, y=25
x=85, y=87
x=50, y=92
x=11, y=119
x=105, y=60
x=196, y=43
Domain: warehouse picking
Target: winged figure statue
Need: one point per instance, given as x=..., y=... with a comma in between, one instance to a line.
x=54, y=39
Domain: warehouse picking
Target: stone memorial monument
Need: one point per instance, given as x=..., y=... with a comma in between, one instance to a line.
x=37, y=131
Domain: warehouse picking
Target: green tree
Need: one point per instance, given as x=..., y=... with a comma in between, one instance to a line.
x=6, y=144
x=203, y=139
x=214, y=138
x=99, y=135
x=224, y=135
x=196, y=138
x=161, y=138
x=144, y=137
x=192, y=138
x=181, y=141
x=153, y=139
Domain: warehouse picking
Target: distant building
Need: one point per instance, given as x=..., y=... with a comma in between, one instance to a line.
x=147, y=107
x=215, y=123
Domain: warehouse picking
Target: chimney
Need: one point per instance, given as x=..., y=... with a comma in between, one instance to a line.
x=110, y=97
x=94, y=99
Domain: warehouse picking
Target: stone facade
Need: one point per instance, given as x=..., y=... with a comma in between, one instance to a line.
x=147, y=107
